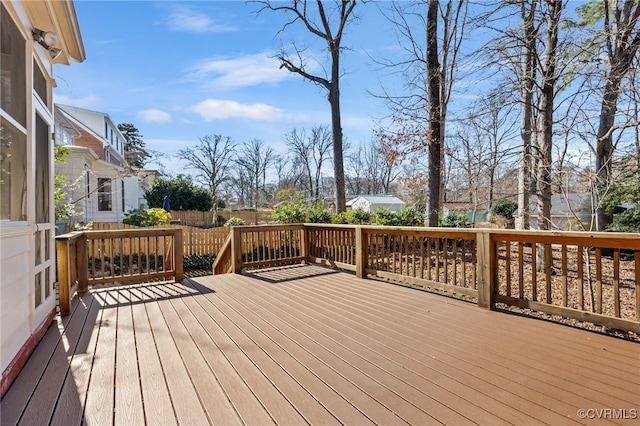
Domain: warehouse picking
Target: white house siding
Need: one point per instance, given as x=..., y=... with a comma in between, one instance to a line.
x=15, y=307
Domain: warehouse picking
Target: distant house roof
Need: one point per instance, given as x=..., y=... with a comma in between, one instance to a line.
x=563, y=204
x=378, y=199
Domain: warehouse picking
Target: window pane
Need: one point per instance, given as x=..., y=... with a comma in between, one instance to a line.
x=47, y=282
x=13, y=80
x=38, y=248
x=43, y=155
x=104, y=194
x=40, y=83
x=37, y=290
x=13, y=173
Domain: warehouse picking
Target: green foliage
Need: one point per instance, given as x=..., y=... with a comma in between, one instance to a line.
x=134, y=148
x=505, y=208
x=340, y=218
x=627, y=221
x=358, y=216
x=198, y=263
x=385, y=217
x=147, y=217
x=64, y=209
x=318, y=214
x=234, y=221
x=182, y=193
x=407, y=216
x=453, y=220
x=623, y=190
x=289, y=213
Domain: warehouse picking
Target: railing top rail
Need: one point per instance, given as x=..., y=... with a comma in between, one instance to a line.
x=141, y=232
x=70, y=236
x=286, y=227
x=591, y=239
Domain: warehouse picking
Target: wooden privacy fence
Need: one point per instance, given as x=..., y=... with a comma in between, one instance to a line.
x=591, y=277
x=208, y=219
x=196, y=241
x=116, y=256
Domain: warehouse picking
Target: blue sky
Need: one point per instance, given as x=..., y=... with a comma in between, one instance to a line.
x=183, y=70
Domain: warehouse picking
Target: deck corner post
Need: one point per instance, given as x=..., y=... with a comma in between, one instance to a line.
x=64, y=278
x=361, y=252
x=485, y=268
x=236, y=250
x=178, y=252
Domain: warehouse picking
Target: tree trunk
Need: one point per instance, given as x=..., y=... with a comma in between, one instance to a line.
x=336, y=128
x=526, y=96
x=434, y=134
x=546, y=115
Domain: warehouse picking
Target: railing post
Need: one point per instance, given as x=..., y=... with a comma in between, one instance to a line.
x=236, y=250
x=178, y=253
x=485, y=269
x=82, y=264
x=304, y=243
x=64, y=278
x=362, y=252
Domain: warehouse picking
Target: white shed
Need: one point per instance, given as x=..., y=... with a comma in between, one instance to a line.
x=370, y=203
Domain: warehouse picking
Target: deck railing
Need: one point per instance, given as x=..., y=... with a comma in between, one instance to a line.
x=119, y=256
x=591, y=277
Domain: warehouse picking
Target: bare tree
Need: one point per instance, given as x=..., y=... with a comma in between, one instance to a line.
x=622, y=39
x=318, y=21
x=211, y=158
x=430, y=77
x=254, y=159
x=310, y=153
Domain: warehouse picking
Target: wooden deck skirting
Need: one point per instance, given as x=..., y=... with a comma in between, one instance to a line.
x=592, y=277
x=312, y=345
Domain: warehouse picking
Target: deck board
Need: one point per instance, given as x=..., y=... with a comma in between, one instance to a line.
x=309, y=345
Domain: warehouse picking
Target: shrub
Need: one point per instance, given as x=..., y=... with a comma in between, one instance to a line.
x=410, y=216
x=505, y=208
x=627, y=221
x=453, y=220
x=289, y=213
x=147, y=217
x=340, y=218
x=318, y=214
x=357, y=216
x=385, y=217
x=407, y=216
x=234, y=221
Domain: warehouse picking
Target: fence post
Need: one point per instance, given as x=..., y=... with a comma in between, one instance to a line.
x=486, y=268
x=64, y=278
x=236, y=250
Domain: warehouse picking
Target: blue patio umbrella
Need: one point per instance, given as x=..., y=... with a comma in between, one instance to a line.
x=165, y=204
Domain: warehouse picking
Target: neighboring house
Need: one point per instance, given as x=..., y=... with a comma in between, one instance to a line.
x=104, y=187
x=465, y=208
x=35, y=35
x=569, y=212
x=370, y=203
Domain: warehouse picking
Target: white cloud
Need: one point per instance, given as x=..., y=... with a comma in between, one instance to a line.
x=243, y=71
x=186, y=19
x=215, y=109
x=154, y=116
x=87, y=101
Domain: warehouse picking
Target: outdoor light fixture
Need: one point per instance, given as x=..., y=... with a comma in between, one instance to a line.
x=47, y=39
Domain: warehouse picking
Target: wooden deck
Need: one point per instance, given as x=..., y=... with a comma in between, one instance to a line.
x=309, y=345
